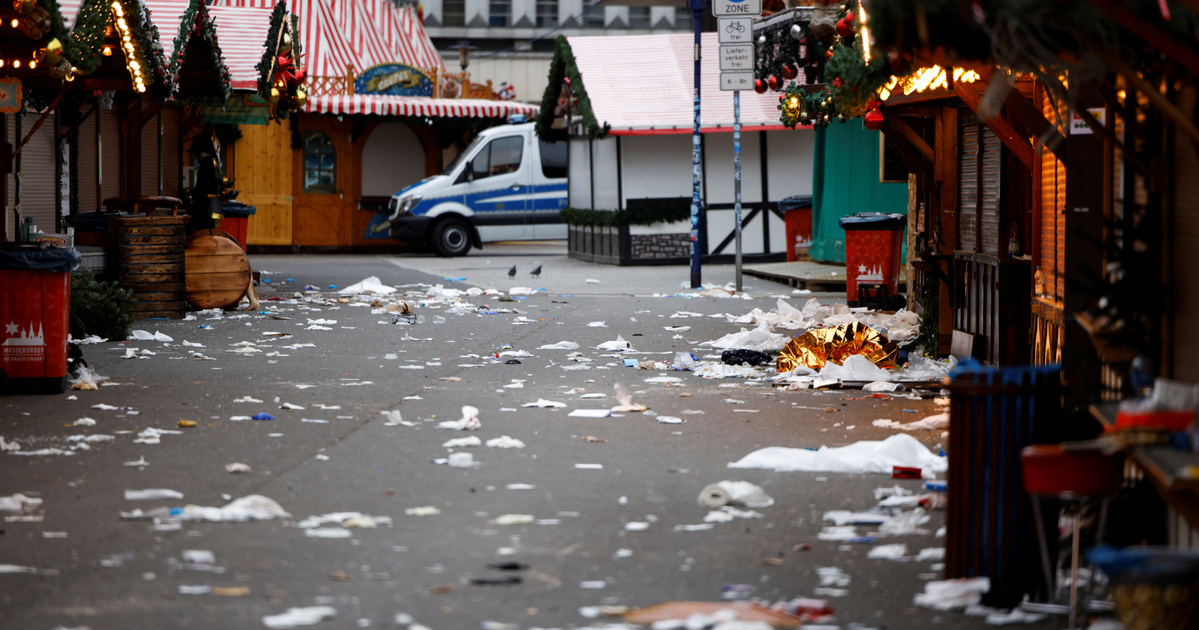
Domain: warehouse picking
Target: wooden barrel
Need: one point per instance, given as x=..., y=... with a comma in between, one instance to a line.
x=149, y=260
x=218, y=271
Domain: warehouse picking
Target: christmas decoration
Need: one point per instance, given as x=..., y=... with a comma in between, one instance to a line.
x=773, y=82
x=280, y=78
x=759, y=86
x=789, y=72
x=873, y=119
x=561, y=68
x=197, y=21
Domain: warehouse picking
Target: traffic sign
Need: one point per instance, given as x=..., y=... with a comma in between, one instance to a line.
x=736, y=81
x=737, y=57
x=734, y=8
x=735, y=30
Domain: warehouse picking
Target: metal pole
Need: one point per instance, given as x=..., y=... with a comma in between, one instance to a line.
x=737, y=176
x=697, y=6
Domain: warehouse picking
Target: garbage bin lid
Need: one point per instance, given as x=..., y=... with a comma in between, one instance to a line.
x=874, y=221
x=796, y=201
x=31, y=257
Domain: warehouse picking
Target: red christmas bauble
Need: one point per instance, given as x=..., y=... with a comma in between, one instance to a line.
x=828, y=54
x=849, y=18
x=759, y=86
x=773, y=82
x=844, y=28
x=873, y=120
x=789, y=72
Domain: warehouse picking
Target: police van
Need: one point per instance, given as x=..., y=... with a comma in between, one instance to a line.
x=507, y=185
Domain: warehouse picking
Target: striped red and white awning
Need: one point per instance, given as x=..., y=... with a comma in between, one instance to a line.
x=241, y=34
x=416, y=106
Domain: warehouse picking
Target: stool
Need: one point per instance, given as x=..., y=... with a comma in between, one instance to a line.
x=1074, y=476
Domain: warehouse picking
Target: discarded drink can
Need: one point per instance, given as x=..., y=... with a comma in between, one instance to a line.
x=906, y=472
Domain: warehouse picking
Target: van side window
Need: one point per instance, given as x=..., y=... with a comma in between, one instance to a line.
x=553, y=159
x=500, y=156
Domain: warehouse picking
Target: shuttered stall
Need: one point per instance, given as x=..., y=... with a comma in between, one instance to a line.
x=109, y=151
x=1053, y=219
x=37, y=172
x=968, y=183
x=87, y=164
x=171, y=159
x=990, y=178
x=150, y=137
x=1185, y=263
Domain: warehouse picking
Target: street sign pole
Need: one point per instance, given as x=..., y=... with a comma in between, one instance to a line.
x=697, y=6
x=734, y=27
x=737, y=176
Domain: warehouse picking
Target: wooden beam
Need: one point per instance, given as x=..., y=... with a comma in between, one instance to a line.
x=1004, y=130
x=1152, y=33
x=916, y=161
x=908, y=134
x=149, y=111
x=1031, y=117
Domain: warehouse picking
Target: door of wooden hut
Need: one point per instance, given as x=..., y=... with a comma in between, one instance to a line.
x=323, y=177
x=262, y=167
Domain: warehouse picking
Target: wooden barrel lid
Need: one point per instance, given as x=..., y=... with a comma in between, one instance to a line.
x=218, y=271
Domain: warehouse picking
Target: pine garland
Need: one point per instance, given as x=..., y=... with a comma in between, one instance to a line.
x=563, y=66
x=266, y=66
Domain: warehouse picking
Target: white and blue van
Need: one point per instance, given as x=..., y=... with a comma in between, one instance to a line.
x=507, y=185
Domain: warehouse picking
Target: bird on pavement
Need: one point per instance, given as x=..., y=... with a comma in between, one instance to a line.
x=536, y=272
x=512, y=272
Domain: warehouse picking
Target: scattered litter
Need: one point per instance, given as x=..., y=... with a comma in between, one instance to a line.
x=860, y=457
x=187, y=424
x=589, y=466
x=253, y=507
x=626, y=401
x=593, y=584
x=427, y=510
x=141, y=335
x=736, y=493
x=888, y=552
x=670, y=420
x=295, y=617
x=237, y=468
x=590, y=413
x=460, y=460
x=152, y=494
x=616, y=345
x=561, y=345
x=950, y=594
x=141, y=461
x=262, y=416
x=513, y=519
x=371, y=285
x=505, y=442
x=636, y=526
x=468, y=422
x=541, y=402
x=201, y=589
x=463, y=442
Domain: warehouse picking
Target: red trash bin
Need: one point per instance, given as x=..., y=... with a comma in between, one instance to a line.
x=35, y=295
x=237, y=220
x=873, y=243
x=797, y=217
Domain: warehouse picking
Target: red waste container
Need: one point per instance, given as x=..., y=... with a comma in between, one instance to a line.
x=873, y=243
x=35, y=294
x=797, y=217
x=237, y=220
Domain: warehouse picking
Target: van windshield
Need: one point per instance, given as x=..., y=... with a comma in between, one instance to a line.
x=449, y=169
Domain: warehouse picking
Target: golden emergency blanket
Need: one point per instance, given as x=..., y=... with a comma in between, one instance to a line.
x=816, y=347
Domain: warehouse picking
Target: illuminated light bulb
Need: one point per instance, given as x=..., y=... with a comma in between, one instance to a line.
x=1, y=63
x=108, y=51
x=137, y=67
x=14, y=22
x=32, y=65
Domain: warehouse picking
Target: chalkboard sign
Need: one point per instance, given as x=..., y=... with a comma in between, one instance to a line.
x=891, y=167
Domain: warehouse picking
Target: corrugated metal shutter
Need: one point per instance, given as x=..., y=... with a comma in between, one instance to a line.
x=1053, y=219
x=1185, y=266
x=109, y=142
x=171, y=160
x=86, y=164
x=38, y=173
x=968, y=183
x=990, y=176
x=10, y=123
x=149, y=157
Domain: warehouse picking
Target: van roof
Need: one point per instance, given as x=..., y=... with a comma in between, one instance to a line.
x=491, y=131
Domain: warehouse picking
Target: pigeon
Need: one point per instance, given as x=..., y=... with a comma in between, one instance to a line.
x=536, y=271
x=512, y=272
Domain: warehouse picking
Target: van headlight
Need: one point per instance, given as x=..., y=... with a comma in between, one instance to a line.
x=403, y=205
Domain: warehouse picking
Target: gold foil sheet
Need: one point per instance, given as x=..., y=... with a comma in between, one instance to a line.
x=816, y=347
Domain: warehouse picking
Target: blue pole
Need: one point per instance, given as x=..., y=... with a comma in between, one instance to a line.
x=737, y=176
x=697, y=6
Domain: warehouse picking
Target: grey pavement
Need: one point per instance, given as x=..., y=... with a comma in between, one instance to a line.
x=114, y=573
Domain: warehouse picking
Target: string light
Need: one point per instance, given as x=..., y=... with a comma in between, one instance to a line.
x=925, y=79
x=865, y=33
x=131, y=57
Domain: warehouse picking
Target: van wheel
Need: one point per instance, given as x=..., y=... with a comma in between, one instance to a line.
x=451, y=237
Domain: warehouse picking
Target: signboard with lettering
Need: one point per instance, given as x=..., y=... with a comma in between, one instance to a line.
x=732, y=8
x=395, y=79
x=737, y=57
x=1078, y=126
x=736, y=81
x=735, y=30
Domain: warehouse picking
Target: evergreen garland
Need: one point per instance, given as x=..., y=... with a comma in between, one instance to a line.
x=197, y=21
x=146, y=39
x=644, y=214
x=563, y=66
x=266, y=66
x=84, y=47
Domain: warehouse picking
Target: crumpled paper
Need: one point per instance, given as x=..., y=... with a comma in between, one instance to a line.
x=816, y=347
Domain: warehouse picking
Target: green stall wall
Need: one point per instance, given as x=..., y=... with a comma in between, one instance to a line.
x=845, y=181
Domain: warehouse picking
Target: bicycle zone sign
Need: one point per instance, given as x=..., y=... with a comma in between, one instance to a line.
x=735, y=33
